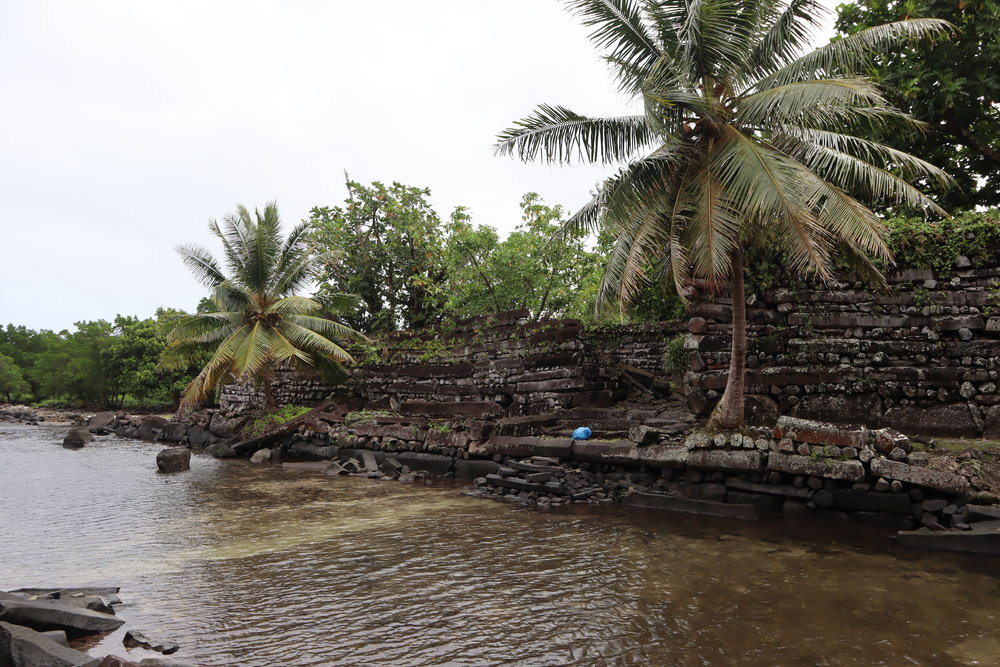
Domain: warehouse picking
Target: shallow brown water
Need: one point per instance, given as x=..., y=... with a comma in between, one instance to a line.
x=246, y=565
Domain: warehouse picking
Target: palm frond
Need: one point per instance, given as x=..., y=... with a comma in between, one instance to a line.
x=557, y=134
x=618, y=28
x=852, y=53
x=789, y=30
x=201, y=263
x=791, y=102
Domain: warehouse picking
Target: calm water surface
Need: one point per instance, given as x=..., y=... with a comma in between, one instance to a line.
x=246, y=565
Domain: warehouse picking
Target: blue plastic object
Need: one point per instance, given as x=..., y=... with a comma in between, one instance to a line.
x=582, y=433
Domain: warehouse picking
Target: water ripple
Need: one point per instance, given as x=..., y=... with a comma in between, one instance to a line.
x=247, y=565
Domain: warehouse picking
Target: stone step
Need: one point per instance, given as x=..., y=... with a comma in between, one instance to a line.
x=524, y=426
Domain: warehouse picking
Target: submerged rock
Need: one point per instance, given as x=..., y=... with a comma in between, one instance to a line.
x=134, y=638
x=221, y=451
x=77, y=437
x=261, y=456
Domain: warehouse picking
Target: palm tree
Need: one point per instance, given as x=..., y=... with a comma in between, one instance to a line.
x=256, y=322
x=744, y=139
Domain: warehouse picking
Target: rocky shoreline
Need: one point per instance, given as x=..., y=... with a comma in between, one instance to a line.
x=804, y=468
x=37, y=625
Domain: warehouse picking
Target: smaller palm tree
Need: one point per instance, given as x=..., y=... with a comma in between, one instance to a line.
x=256, y=322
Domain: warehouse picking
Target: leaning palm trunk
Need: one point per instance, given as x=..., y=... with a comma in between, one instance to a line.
x=745, y=139
x=728, y=414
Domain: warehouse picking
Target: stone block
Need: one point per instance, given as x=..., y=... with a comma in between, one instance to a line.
x=848, y=471
x=863, y=408
x=602, y=450
x=560, y=448
x=23, y=647
x=932, y=479
x=432, y=463
x=937, y=419
x=715, y=459
x=896, y=503
x=887, y=439
x=523, y=485
x=447, y=438
x=821, y=433
x=472, y=468
x=778, y=490
x=690, y=505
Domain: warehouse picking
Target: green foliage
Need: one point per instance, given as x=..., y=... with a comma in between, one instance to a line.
x=395, y=261
x=364, y=417
x=285, y=413
x=13, y=386
x=256, y=322
x=534, y=268
x=101, y=363
x=951, y=85
x=920, y=243
x=440, y=427
x=675, y=356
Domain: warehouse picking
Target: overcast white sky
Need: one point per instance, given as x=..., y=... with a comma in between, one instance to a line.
x=128, y=124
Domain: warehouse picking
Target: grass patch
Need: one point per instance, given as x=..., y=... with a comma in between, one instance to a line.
x=959, y=445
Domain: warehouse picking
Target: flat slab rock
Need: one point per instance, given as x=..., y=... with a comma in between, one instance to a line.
x=23, y=647
x=932, y=479
x=690, y=505
x=981, y=541
x=848, y=471
x=719, y=459
x=44, y=615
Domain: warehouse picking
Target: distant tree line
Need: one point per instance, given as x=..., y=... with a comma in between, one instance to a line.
x=107, y=364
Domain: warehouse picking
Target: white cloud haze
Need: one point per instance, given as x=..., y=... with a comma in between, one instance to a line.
x=128, y=124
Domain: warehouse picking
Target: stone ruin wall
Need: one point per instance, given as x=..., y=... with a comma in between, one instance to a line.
x=922, y=357
x=501, y=364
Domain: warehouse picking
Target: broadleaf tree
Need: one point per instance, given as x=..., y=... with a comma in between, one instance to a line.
x=952, y=85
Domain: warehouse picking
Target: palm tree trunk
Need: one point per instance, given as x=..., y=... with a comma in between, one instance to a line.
x=728, y=414
x=267, y=382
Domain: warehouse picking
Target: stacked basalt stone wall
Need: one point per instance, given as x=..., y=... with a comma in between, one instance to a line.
x=484, y=367
x=639, y=345
x=922, y=357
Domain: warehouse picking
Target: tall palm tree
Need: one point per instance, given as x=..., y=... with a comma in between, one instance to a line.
x=257, y=322
x=744, y=138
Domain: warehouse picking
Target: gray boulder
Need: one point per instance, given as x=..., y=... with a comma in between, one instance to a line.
x=221, y=450
x=150, y=427
x=42, y=615
x=23, y=647
x=307, y=451
x=174, y=459
x=224, y=427
x=173, y=432
x=200, y=437
x=77, y=437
